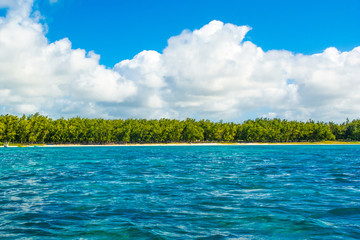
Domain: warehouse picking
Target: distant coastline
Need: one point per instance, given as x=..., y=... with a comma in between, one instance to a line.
x=187, y=144
x=40, y=130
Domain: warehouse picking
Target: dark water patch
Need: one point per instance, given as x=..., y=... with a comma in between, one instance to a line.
x=345, y=211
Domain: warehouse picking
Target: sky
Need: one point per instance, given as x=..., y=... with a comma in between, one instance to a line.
x=219, y=60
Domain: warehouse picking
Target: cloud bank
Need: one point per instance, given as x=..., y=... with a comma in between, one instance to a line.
x=206, y=73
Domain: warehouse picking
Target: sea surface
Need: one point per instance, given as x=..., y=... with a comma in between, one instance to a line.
x=180, y=192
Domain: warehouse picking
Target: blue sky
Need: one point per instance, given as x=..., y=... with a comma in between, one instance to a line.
x=118, y=29
x=229, y=60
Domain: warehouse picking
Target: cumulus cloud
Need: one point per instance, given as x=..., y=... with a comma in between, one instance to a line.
x=52, y=78
x=213, y=73
x=206, y=73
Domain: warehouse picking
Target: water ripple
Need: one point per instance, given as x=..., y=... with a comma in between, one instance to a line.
x=207, y=192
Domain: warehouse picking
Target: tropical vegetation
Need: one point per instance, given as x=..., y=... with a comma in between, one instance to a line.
x=36, y=128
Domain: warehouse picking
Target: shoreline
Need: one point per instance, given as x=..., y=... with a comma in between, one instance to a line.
x=186, y=144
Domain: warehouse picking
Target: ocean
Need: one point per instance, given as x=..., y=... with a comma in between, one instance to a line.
x=181, y=192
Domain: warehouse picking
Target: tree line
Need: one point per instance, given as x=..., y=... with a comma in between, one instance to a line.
x=36, y=128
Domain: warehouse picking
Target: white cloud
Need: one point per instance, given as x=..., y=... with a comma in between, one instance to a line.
x=206, y=73
x=213, y=73
x=38, y=75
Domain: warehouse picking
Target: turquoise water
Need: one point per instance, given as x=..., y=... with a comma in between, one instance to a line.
x=180, y=192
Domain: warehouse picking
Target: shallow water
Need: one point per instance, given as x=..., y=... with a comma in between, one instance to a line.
x=180, y=192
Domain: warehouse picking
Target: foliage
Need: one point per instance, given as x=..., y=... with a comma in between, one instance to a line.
x=36, y=128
